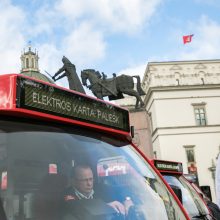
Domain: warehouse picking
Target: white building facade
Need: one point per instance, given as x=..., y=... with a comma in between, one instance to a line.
x=183, y=102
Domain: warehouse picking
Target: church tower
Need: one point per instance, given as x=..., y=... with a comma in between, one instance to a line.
x=30, y=67
x=29, y=61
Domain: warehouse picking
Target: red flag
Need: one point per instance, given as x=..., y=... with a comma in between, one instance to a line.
x=187, y=38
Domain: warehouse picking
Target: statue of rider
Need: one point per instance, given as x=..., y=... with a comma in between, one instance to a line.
x=69, y=70
x=104, y=76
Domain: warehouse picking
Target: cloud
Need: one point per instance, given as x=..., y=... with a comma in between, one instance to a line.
x=43, y=21
x=73, y=9
x=205, y=43
x=77, y=29
x=84, y=45
x=135, y=70
x=12, y=39
x=111, y=15
x=50, y=58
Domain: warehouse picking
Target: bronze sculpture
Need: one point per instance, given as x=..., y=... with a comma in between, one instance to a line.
x=69, y=70
x=114, y=87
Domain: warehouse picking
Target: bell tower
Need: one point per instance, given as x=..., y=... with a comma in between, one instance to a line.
x=29, y=61
x=30, y=67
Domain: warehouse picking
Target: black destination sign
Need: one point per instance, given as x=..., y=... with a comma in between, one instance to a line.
x=168, y=166
x=41, y=97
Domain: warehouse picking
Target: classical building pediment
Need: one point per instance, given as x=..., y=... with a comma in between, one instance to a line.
x=176, y=67
x=200, y=66
x=152, y=68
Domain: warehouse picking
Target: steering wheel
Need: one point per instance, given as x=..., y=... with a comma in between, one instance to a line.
x=116, y=216
x=133, y=214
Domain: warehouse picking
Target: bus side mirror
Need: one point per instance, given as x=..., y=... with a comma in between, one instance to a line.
x=207, y=191
x=178, y=192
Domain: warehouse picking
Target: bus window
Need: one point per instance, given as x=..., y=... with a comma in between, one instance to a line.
x=37, y=165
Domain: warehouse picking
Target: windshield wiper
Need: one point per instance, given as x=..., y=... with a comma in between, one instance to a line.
x=200, y=216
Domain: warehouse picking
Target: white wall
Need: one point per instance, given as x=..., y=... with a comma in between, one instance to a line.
x=172, y=112
x=175, y=108
x=176, y=127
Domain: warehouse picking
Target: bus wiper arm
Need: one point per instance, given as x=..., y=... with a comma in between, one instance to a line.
x=200, y=216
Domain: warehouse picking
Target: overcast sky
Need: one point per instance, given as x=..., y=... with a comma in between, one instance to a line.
x=119, y=36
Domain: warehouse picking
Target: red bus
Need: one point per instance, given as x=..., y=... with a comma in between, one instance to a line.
x=193, y=203
x=45, y=131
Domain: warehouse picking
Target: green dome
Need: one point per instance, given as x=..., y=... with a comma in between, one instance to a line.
x=29, y=52
x=37, y=75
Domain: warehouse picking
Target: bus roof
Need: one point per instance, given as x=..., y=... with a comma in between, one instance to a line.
x=165, y=166
x=37, y=99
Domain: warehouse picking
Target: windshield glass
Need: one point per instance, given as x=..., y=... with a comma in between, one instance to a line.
x=191, y=200
x=66, y=173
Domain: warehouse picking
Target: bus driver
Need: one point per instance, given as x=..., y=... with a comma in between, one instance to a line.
x=82, y=188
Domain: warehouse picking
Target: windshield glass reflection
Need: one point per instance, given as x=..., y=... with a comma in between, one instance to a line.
x=191, y=200
x=65, y=173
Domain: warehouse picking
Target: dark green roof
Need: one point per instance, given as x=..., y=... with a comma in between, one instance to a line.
x=29, y=52
x=37, y=75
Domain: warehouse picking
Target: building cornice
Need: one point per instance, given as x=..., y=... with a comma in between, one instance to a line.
x=151, y=90
x=181, y=73
x=184, y=62
x=187, y=130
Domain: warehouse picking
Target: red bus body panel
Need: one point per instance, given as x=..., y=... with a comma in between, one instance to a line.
x=8, y=108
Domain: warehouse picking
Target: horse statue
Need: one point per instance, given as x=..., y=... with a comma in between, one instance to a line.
x=69, y=70
x=114, y=87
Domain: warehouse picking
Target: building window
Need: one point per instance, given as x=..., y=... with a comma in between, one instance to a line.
x=190, y=154
x=191, y=162
x=27, y=63
x=32, y=62
x=200, y=114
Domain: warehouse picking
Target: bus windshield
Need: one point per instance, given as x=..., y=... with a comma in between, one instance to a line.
x=191, y=200
x=38, y=181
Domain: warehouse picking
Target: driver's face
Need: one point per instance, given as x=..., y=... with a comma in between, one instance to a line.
x=83, y=180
